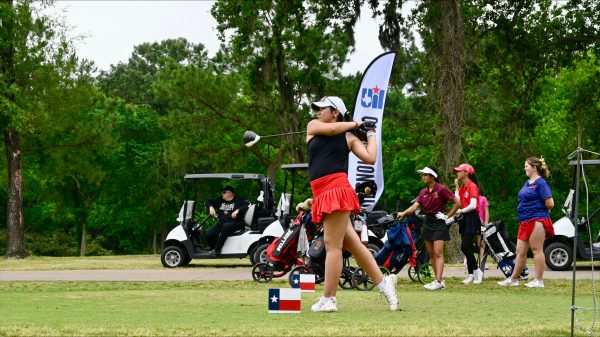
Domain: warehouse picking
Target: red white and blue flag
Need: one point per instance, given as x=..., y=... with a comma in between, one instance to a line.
x=369, y=106
x=284, y=301
x=304, y=282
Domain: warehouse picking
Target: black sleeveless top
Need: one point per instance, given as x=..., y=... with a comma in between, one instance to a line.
x=327, y=155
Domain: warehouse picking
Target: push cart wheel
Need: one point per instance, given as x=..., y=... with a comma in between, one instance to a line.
x=346, y=278
x=361, y=280
x=425, y=273
x=262, y=273
x=297, y=270
x=412, y=274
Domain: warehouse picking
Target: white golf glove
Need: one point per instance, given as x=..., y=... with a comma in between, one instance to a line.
x=441, y=216
x=450, y=221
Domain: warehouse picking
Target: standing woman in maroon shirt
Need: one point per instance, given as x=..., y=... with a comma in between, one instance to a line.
x=330, y=141
x=432, y=201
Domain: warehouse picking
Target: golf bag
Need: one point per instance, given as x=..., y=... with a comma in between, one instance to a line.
x=283, y=251
x=501, y=248
x=399, y=248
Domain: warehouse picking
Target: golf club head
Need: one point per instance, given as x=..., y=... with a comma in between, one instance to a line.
x=250, y=138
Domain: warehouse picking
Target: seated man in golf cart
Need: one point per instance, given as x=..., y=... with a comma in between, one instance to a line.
x=230, y=210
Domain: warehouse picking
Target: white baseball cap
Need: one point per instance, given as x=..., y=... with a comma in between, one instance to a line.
x=332, y=101
x=429, y=171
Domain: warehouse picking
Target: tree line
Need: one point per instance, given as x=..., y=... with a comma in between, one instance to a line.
x=94, y=163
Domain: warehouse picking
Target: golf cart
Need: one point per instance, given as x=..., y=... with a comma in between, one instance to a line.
x=558, y=250
x=186, y=241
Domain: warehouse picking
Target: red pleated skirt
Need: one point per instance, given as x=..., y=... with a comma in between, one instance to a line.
x=332, y=193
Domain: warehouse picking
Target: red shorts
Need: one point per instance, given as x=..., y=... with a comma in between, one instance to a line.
x=526, y=228
x=332, y=193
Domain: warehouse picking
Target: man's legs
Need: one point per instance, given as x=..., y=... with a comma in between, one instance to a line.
x=226, y=231
x=213, y=234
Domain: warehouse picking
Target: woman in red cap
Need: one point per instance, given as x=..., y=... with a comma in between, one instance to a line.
x=330, y=141
x=470, y=224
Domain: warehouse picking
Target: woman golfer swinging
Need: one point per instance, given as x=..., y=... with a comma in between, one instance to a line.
x=330, y=141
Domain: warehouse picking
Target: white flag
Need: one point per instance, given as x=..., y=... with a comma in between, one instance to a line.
x=369, y=105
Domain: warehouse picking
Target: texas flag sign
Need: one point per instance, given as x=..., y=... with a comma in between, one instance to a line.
x=304, y=282
x=285, y=301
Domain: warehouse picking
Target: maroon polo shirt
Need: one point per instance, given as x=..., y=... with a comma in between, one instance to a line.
x=435, y=201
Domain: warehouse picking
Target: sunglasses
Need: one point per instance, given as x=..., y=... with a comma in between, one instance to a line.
x=330, y=101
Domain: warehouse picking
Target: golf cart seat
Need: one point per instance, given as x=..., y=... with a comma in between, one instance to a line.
x=249, y=216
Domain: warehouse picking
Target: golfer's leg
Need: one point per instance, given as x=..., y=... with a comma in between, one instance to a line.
x=438, y=251
x=521, y=259
x=362, y=255
x=536, y=240
x=334, y=226
x=432, y=260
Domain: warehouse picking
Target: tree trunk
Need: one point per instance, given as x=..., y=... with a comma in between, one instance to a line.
x=451, y=94
x=16, y=233
x=83, y=247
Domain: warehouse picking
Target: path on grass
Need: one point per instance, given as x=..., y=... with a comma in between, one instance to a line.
x=224, y=274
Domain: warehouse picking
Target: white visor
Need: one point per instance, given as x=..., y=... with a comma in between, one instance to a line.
x=429, y=171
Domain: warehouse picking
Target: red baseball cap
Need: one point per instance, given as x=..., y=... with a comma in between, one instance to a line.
x=464, y=167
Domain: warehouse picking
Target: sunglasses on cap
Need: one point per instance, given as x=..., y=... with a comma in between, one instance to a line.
x=330, y=101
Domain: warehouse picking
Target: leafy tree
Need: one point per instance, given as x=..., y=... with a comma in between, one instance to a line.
x=37, y=64
x=286, y=50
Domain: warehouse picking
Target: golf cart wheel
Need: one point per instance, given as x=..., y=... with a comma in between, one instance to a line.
x=262, y=273
x=173, y=257
x=298, y=270
x=425, y=273
x=559, y=256
x=260, y=254
x=361, y=280
x=412, y=274
x=345, y=281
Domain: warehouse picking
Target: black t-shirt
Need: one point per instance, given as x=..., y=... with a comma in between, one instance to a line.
x=224, y=208
x=327, y=155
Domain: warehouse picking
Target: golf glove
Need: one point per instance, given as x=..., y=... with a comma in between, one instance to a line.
x=441, y=216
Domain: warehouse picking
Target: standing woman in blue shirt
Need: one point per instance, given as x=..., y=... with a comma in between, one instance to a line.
x=535, y=225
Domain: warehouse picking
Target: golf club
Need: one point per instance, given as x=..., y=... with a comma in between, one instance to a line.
x=250, y=137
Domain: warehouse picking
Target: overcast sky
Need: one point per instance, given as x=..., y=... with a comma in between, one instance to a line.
x=113, y=28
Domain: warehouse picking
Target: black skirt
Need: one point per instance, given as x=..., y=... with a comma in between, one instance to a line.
x=470, y=224
x=434, y=229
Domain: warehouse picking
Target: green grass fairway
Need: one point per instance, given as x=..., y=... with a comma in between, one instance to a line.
x=239, y=308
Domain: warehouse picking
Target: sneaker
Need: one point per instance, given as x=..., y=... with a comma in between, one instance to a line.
x=325, y=304
x=389, y=291
x=436, y=285
x=509, y=282
x=468, y=280
x=478, y=276
x=535, y=284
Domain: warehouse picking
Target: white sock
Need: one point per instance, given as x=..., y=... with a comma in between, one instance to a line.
x=470, y=275
x=381, y=285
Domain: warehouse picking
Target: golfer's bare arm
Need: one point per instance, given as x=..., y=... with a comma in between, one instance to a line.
x=367, y=154
x=316, y=127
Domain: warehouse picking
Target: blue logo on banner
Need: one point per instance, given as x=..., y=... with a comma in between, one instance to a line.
x=372, y=98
